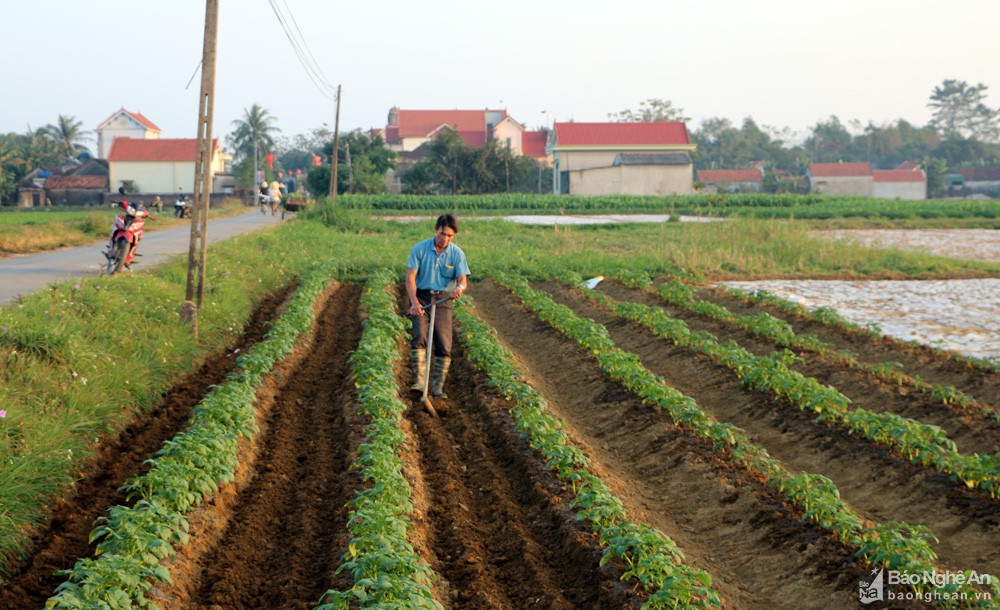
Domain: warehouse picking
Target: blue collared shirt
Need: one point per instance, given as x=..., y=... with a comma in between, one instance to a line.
x=435, y=271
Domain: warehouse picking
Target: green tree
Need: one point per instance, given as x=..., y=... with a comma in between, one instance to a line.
x=451, y=167
x=252, y=138
x=829, y=142
x=68, y=136
x=447, y=161
x=370, y=160
x=650, y=111
x=960, y=111
x=936, y=170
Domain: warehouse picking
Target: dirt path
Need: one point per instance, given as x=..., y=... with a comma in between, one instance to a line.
x=974, y=434
x=876, y=483
x=759, y=554
x=116, y=460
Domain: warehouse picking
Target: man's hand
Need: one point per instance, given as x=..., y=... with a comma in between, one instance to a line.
x=458, y=291
x=416, y=309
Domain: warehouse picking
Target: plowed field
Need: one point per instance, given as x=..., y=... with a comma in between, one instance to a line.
x=491, y=521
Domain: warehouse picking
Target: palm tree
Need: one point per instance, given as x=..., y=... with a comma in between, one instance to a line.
x=254, y=133
x=68, y=136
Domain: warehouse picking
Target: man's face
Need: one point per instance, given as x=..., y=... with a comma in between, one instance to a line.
x=443, y=237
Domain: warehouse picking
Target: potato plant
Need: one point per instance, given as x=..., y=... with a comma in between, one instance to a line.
x=133, y=540
x=905, y=547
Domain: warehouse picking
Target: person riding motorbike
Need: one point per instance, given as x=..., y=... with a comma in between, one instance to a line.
x=182, y=207
x=262, y=196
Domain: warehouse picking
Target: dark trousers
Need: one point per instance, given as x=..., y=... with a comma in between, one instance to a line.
x=442, y=324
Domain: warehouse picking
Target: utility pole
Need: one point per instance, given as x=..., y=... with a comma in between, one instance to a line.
x=202, y=172
x=336, y=145
x=350, y=168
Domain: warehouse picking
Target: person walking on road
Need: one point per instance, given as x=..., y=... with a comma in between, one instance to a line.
x=435, y=268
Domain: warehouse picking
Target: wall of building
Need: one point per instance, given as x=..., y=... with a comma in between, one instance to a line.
x=657, y=179
x=582, y=159
x=121, y=127
x=508, y=133
x=633, y=180
x=161, y=176
x=862, y=186
x=900, y=190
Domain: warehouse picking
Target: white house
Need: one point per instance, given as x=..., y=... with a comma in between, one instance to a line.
x=123, y=124
x=164, y=166
x=732, y=180
x=900, y=184
x=841, y=179
x=622, y=158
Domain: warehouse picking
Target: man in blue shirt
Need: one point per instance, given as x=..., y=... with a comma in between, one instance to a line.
x=436, y=267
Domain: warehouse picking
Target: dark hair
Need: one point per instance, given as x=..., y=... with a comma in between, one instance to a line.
x=447, y=220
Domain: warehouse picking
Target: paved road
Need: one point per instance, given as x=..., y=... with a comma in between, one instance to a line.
x=28, y=273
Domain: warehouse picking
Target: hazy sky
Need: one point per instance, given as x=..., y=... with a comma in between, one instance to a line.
x=784, y=63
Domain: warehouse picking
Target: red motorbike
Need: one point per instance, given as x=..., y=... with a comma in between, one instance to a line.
x=125, y=236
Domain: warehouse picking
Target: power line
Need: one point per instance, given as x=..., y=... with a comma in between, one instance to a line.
x=302, y=38
x=305, y=58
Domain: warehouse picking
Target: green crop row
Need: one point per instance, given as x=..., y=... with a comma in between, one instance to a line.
x=193, y=465
x=894, y=545
x=829, y=317
x=652, y=558
x=922, y=444
x=763, y=205
x=769, y=327
x=387, y=571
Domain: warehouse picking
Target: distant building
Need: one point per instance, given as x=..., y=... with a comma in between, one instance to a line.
x=980, y=180
x=899, y=184
x=841, y=179
x=165, y=166
x=622, y=158
x=732, y=180
x=408, y=132
x=123, y=124
x=70, y=184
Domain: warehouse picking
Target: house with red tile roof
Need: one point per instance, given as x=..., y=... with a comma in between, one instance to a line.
x=164, y=166
x=622, y=158
x=533, y=145
x=899, y=184
x=841, y=179
x=407, y=130
x=980, y=180
x=123, y=124
x=732, y=180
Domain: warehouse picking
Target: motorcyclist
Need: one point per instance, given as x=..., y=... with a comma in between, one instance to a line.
x=180, y=206
x=265, y=200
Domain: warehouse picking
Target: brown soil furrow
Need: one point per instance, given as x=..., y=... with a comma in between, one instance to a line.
x=759, y=553
x=882, y=486
x=288, y=528
x=65, y=539
x=499, y=541
x=916, y=360
x=972, y=434
x=499, y=538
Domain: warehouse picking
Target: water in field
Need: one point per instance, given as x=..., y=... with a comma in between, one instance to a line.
x=574, y=219
x=957, y=315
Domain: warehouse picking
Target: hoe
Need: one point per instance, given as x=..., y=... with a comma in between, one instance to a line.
x=430, y=356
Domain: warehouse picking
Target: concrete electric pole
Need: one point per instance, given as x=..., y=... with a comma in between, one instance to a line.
x=202, y=172
x=336, y=145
